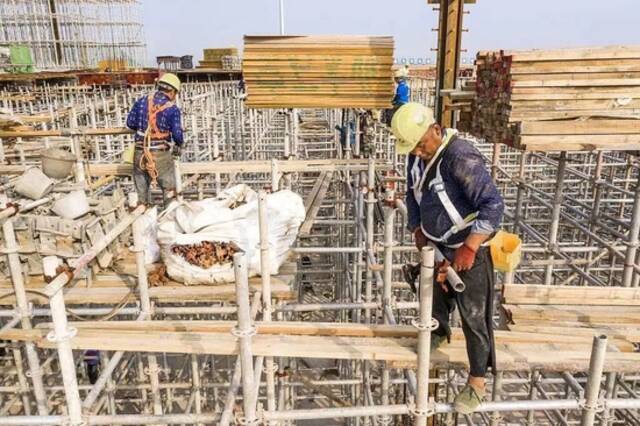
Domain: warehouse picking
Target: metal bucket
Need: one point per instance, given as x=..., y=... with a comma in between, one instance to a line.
x=57, y=163
x=33, y=184
x=71, y=206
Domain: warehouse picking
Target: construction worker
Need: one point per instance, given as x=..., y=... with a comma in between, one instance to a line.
x=453, y=203
x=403, y=93
x=158, y=140
x=402, y=88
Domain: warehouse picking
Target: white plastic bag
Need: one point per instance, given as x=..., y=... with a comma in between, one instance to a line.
x=215, y=220
x=150, y=236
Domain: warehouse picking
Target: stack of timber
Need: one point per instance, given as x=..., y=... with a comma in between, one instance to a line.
x=559, y=100
x=213, y=58
x=318, y=71
x=574, y=311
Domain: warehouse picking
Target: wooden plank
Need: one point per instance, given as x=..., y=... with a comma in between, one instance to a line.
x=606, y=82
x=529, y=294
x=313, y=209
x=408, y=333
x=630, y=334
x=580, y=127
x=580, y=143
x=208, y=167
x=395, y=351
x=576, y=66
x=166, y=294
x=601, y=52
x=593, y=315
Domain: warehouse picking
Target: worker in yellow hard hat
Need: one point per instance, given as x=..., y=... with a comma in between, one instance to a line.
x=157, y=121
x=453, y=203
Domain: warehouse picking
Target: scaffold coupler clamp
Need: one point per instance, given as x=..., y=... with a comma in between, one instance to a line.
x=273, y=368
x=236, y=331
x=496, y=417
x=599, y=406
x=244, y=422
x=69, y=422
x=68, y=335
x=428, y=412
x=431, y=326
x=384, y=420
x=152, y=369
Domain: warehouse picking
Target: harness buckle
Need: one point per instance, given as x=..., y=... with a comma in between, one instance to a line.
x=438, y=186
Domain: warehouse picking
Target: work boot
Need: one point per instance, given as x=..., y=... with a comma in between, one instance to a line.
x=468, y=400
x=437, y=341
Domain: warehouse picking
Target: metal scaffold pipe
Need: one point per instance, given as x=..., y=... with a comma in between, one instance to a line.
x=424, y=324
x=244, y=331
x=592, y=389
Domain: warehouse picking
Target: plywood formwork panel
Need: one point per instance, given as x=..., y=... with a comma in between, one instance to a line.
x=318, y=71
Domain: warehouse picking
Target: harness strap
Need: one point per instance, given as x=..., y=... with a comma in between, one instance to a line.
x=438, y=185
x=147, y=161
x=459, y=224
x=152, y=119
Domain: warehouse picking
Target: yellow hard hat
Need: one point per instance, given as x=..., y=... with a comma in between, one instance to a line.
x=409, y=124
x=170, y=80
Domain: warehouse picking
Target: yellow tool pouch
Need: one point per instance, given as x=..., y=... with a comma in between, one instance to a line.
x=506, y=251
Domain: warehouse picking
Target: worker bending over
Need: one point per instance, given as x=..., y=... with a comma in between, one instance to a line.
x=453, y=202
x=158, y=139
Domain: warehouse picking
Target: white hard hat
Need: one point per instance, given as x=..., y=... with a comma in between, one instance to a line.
x=402, y=72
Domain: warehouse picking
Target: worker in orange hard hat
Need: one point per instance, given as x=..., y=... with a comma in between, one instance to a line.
x=156, y=119
x=454, y=205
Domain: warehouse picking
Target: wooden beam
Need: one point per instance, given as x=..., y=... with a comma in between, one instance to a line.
x=209, y=167
x=398, y=352
x=591, y=315
x=529, y=294
x=318, y=193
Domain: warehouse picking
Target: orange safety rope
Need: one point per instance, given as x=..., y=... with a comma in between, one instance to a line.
x=147, y=162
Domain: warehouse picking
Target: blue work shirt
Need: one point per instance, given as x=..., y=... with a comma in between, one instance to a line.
x=469, y=186
x=402, y=93
x=168, y=120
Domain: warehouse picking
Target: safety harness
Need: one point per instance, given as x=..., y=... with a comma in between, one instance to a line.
x=437, y=184
x=153, y=134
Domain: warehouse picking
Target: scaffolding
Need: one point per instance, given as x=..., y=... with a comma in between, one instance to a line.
x=336, y=337
x=76, y=34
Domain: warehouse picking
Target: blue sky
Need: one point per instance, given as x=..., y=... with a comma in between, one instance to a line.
x=179, y=27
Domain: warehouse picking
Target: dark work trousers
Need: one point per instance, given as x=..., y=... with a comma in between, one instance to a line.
x=166, y=176
x=475, y=304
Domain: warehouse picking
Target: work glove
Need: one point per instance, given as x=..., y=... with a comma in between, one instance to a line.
x=411, y=274
x=176, y=151
x=464, y=258
x=420, y=238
